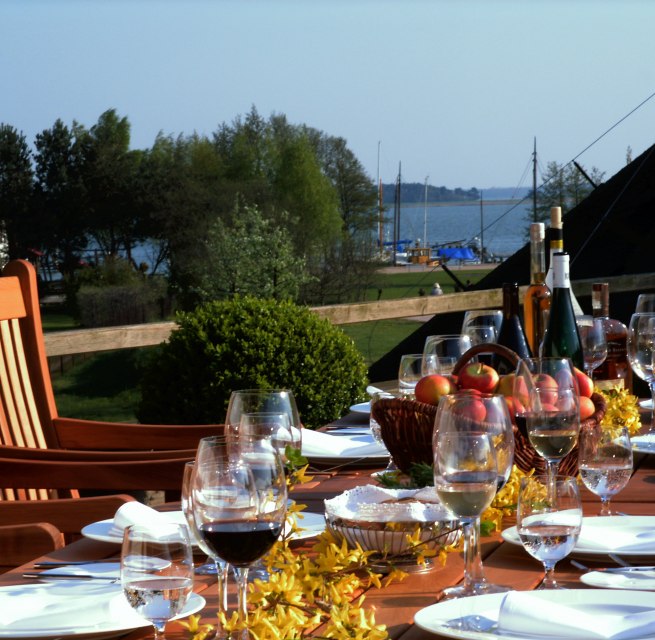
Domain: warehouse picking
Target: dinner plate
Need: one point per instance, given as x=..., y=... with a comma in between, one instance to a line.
x=600, y=535
x=633, y=580
x=361, y=407
x=480, y=613
x=646, y=404
x=72, y=608
x=105, y=531
x=643, y=444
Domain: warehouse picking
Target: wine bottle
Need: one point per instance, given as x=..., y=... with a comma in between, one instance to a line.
x=511, y=334
x=562, y=339
x=536, y=302
x=615, y=371
x=556, y=243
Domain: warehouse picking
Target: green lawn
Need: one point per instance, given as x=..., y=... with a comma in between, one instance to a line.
x=105, y=386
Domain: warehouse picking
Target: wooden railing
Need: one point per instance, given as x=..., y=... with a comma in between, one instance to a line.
x=63, y=343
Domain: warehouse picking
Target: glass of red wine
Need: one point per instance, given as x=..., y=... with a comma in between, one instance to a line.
x=239, y=508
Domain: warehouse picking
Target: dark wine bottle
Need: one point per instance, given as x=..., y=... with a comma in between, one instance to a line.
x=511, y=334
x=562, y=339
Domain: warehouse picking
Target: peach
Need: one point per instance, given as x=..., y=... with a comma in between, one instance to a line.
x=585, y=383
x=587, y=408
x=430, y=389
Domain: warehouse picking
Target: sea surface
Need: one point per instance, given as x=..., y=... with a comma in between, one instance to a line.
x=502, y=225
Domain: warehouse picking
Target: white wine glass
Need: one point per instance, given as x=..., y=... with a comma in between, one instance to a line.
x=157, y=572
x=548, y=520
x=239, y=508
x=270, y=401
x=605, y=462
x=593, y=341
x=466, y=481
x=546, y=401
x=645, y=303
x=410, y=371
x=483, y=317
x=641, y=350
x=481, y=334
x=447, y=349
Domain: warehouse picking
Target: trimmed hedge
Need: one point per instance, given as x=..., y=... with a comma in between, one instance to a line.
x=247, y=343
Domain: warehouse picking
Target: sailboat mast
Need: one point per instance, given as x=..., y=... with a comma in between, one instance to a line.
x=534, y=182
x=481, y=227
x=425, y=214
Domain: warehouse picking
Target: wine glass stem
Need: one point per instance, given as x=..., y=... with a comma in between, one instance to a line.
x=159, y=626
x=552, y=466
x=605, y=507
x=473, y=572
x=222, y=569
x=242, y=591
x=651, y=386
x=549, y=578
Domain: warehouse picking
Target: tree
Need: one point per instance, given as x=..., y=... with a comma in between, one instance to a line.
x=562, y=186
x=16, y=184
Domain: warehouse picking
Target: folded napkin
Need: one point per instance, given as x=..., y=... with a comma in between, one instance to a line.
x=136, y=513
x=317, y=443
x=613, y=538
x=527, y=614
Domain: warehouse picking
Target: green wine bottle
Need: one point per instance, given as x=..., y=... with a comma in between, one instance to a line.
x=562, y=339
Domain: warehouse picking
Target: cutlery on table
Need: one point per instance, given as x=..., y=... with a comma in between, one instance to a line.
x=68, y=576
x=65, y=563
x=579, y=565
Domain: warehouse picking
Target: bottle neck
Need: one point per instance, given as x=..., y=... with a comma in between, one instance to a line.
x=556, y=241
x=510, y=300
x=600, y=300
x=561, y=276
x=537, y=261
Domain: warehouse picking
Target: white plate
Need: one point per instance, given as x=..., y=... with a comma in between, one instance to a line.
x=362, y=407
x=646, y=404
x=105, y=531
x=643, y=444
x=633, y=580
x=599, y=535
x=439, y=618
x=72, y=608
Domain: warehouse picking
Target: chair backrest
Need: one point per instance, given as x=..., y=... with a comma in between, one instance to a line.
x=27, y=405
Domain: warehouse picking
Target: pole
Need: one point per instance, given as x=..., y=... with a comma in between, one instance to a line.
x=481, y=228
x=425, y=214
x=534, y=182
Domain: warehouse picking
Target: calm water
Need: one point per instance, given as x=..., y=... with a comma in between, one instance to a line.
x=504, y=224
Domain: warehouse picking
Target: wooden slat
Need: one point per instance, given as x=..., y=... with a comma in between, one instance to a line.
x=11, y=299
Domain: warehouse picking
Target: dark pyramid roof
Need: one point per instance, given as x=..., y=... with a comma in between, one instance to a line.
x=610, y=233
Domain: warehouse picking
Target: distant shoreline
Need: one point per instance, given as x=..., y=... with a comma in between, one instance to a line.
x=461, y=203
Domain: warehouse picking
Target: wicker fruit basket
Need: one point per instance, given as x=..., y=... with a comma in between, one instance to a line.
x=407, y=425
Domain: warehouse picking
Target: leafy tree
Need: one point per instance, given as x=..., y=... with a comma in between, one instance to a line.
x=16, y=180
x=562, y=186
x=61, y=195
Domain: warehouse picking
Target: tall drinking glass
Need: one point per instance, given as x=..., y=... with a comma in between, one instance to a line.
x=410, y=371
x=447, y=348
x=641, y=341
x=157, y=572
x=547, y=407
x=473, y=453
x=548, y=520
x=605, y=462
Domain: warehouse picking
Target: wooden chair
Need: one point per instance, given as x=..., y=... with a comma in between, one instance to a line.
x=24, y=542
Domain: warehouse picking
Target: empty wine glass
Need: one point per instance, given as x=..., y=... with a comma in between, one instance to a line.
x=157, y=571
x=593, y=341
x=473, y=453
x=545, y=396
x=447, y=349
x=409, y=372
x=605, y=462
x=483, y=317
x=645, y=303
x=548, y=520
x=239, y=508
x=641, y=341
x=481, y=333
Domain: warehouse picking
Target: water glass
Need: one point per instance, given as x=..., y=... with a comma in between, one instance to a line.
x=645, y=303
x=447, y=349
x=409, y=372
x=376, y=428
x=157, y=572
x=641, y=350
x=483, y=317
x=605, y=462
x=548, y=520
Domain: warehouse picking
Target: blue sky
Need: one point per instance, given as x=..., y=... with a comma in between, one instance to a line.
x=453, y=89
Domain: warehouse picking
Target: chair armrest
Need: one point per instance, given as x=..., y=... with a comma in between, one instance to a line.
x=68, y=515
x=118, y=436
x=72, y=455
x=20, y=543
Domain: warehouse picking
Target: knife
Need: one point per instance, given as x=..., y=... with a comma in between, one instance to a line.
x=64, y=563
x=68, y=576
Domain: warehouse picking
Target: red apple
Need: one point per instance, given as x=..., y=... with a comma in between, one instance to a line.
x=480, y=376
x=430, y=389
x=585, y=383
x=467, y=404
x=547, y=387
x=520, y=391
x=587, y=408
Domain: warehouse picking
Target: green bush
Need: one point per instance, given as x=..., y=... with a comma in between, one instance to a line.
x=247, y=343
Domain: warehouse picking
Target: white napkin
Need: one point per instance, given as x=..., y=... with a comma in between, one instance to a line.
x=136, y=513
x=61, y=606
x=524, y=613
x=613, y=538
x=317, y=443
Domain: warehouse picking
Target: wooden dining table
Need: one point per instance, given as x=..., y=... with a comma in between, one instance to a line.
x=396, y=604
